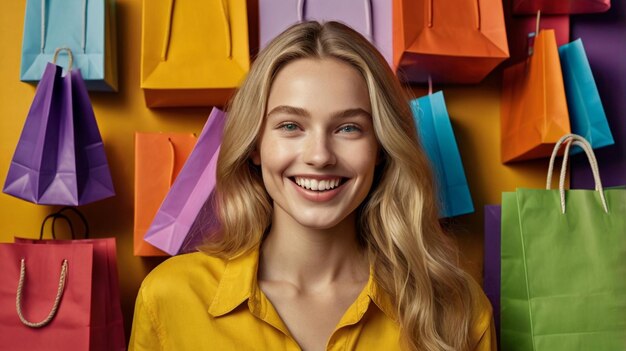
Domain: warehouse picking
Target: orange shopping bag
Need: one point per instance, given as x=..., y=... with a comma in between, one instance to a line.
x=534, y=108
x=158, y=159
x=452, y=41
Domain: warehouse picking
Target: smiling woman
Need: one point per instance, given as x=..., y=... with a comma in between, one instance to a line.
x=329, y=236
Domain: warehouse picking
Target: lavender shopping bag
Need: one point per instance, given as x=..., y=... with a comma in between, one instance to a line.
x=174, y=228
x=605, y=46
x=60, y=157
x=371, y=18
x=491, y=260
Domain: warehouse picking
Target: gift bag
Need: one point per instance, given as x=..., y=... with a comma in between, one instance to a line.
x=437, y=138
x=605, y=47
x=491, y=260
x=106, y=325
x=371, y=18
x=587, y=117
x=534, y=111
x=193, y=53
x=87, y=27
x=560, y=7
x=60, y=157
x=451, y=41
x=563, y=265
x=159, y=158
x=174, y=228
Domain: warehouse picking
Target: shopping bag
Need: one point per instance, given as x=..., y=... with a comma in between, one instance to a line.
x=87, y=27
x=159, y=158
x=451, y=41
x=560, y=7
x=174, y=228
x=522, y=29
x=437, y=137
x=563, y=265
x=60, y=157
x=193, y=53
x=371, y=18
x=587, y=117
x=534, y=111
x=491, y=260
x=106, y=325
x=604, y=44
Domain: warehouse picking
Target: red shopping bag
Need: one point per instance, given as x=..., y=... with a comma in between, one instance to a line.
x=100, y=326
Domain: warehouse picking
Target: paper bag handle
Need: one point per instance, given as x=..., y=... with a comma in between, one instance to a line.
x=43, y=26
x=168, y=30
x=368, y=16
x=430, y=13
x=57, y=299
x=69, y=54
x=59, y=214
x=577, y=140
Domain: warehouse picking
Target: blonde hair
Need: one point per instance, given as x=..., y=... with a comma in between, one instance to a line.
x=414, y=260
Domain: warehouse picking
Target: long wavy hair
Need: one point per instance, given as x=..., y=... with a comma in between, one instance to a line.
x=414, y=260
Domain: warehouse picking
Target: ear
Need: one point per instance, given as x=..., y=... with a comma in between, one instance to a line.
x=255, y=157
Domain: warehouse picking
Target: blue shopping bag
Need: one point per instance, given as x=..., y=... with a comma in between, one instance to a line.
x=587, y=116
x=86, y=27
x=437, y=137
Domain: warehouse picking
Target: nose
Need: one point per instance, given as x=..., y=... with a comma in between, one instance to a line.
x=318, y=151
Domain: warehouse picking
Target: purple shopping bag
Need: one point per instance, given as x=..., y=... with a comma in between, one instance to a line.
x=60, y=157
x=175, y=228
x=605, y=46
x=371, y=18
x=491, y=260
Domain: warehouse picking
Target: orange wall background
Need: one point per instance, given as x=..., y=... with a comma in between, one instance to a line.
x=474, y=111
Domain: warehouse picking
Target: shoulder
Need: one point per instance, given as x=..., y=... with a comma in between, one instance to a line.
x=183, y=275
x=482, y=328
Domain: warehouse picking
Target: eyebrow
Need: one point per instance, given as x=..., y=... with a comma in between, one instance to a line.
x=291, y=110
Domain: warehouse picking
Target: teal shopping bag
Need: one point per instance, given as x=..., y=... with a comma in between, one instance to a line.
x=587, y=116
x=563, y=266
x=86, y=27
x=437, y=138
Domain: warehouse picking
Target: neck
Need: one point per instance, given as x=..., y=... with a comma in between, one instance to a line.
x=308, y=257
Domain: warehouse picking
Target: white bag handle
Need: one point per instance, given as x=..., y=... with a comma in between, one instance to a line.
x=368, y=16
x=57, y=299
x=577, y=140
x=43, y=26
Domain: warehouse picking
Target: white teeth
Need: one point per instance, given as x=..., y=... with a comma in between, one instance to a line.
x=317, y=185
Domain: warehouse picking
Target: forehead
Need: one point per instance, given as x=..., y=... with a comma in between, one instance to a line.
x=324, y=85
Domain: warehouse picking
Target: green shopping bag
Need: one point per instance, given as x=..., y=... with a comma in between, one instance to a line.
x=563, y=272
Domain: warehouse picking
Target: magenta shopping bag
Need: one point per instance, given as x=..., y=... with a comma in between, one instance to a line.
x=560, y=7
x=45, y=296
x=371, y=18
x=174, y=228
x=605, y=46
x=60, y=157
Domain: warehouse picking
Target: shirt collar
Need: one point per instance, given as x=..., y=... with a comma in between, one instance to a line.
x=239, y=283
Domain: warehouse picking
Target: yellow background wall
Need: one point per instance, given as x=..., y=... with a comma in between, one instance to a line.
x=474, y=111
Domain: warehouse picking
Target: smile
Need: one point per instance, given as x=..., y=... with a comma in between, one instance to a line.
x=318, y=184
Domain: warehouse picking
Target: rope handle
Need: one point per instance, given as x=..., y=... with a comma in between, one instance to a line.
x=573, y=139
x=42, y=44
x=168, y=30
x=69, y=53
x=368, y=16
x=57, y=299
x=430, y=13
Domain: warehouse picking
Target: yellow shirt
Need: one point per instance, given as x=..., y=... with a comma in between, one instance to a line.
x=198, y=302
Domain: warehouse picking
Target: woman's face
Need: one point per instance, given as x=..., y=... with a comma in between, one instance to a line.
x=317, y=148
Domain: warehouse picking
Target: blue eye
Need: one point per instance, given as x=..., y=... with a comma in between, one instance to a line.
x=350, y=128
x=288, y=127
